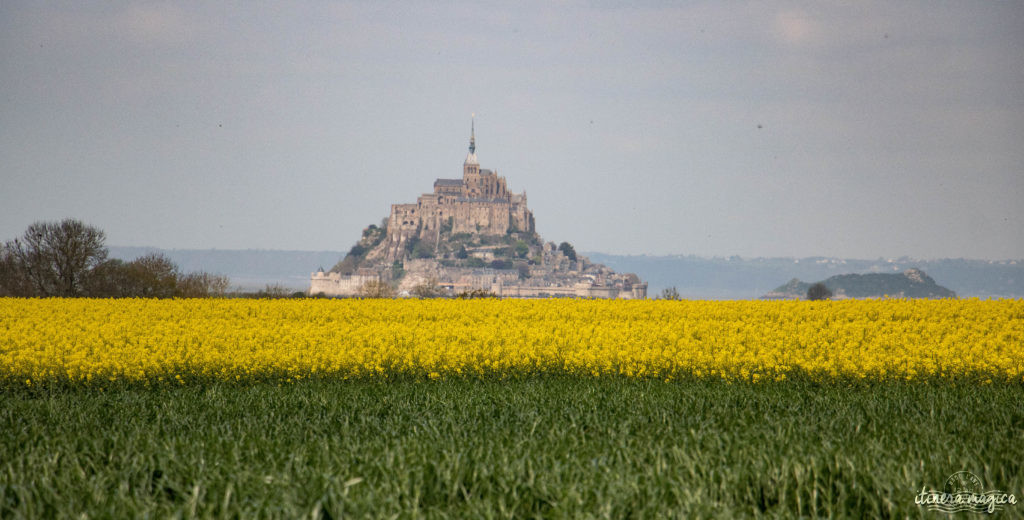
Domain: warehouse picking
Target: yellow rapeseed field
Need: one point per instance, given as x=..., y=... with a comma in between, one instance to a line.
x=95, y=341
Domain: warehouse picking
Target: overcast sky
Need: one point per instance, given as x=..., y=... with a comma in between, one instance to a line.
x=851, y=129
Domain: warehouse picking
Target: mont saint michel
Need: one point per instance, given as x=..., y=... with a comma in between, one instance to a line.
x=470, y=234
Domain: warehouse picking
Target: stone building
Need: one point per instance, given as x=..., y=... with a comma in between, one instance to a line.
x=470, y=234
x=334, y=284
x=479, y=202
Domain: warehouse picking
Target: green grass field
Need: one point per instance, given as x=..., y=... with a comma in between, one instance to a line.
x=531, y=448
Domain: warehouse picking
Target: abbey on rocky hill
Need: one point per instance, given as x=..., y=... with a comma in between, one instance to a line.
x=478, y=203
x=469, y=234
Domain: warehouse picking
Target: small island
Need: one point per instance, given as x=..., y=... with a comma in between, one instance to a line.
x=912, y=283
x=470, y=235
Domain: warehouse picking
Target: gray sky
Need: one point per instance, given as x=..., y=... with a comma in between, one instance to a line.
x=854, y=129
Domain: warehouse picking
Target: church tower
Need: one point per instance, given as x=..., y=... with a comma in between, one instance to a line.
x=471, y=166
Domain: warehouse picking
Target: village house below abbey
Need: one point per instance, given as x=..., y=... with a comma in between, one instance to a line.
x=469, y=234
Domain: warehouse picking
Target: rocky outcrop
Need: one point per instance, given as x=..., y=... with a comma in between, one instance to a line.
x=470, y=235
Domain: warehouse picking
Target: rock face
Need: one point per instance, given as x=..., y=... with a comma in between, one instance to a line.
x=912, y=283
x=470, y=234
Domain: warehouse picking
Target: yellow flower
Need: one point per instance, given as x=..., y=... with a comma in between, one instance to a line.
x=151, y=341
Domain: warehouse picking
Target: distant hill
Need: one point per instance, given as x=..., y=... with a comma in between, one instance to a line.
x=912, y=283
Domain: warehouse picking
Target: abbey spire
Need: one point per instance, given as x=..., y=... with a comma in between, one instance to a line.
x=471, y=158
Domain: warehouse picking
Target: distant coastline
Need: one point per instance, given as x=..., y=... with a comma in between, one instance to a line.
x=693, y=276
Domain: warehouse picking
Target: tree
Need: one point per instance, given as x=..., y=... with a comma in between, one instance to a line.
x=52, y=258
x=670, y=293
x=567, y=249
x=524, y=271
x=346, y=266
x=273, y=290
x=68, y=259
x=818, y=291
x=521, y=249
x=461, y=253
x=217, y=285
x=397, y=270
x=357, y=251
x=109, y=280
x=411, y=243
x=422, y=250
x=201, y=284
x=475, y=294
x=427, y=289
x=375, y=289
x=152, y=276
x=14, y=280
x=446, y=225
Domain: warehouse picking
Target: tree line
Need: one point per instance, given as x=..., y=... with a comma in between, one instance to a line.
x=69, y=259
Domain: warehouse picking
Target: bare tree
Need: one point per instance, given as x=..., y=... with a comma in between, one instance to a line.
x=54, y=258
x=109, y=279
x=427, y=289
x=670, y=293
x=217, y=285
x=68, y=258
x=376, y=289
x=200, y=284
x=274, y=290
